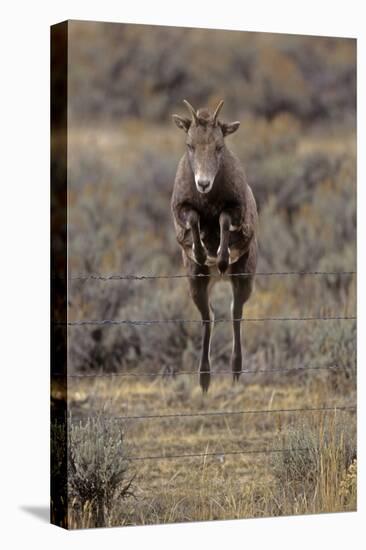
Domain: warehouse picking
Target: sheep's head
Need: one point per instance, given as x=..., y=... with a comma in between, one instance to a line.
x=205, y=143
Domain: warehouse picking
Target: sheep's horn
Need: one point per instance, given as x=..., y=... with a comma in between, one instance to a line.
x=217, y=110
x=191, y=110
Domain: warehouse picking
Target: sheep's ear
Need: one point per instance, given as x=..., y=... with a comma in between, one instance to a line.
x=182, y=122
x=229, y=128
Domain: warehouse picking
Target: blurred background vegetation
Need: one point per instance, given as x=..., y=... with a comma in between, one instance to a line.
x=296, y=98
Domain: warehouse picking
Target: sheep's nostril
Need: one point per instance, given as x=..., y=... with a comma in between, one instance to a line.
x=203, y=184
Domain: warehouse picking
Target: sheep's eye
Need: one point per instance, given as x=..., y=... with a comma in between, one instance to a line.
x=190, y=147
x=218, y=148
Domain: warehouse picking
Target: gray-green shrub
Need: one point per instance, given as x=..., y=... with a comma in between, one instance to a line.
x=98, y=471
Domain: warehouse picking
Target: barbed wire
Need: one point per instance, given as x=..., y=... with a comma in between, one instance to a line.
x=109, y=322
x=126, y=277
x=144, y=322
x=222, y=413
x=218, y=454
x=193, y=372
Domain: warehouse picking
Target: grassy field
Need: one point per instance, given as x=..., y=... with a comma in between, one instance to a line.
x=313, y=472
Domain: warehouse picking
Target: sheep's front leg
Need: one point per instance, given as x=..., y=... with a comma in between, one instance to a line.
x=223, y=252
x=191, y=220
x=230, y=220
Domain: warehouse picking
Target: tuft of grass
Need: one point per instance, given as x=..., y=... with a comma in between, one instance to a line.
x=316, y=471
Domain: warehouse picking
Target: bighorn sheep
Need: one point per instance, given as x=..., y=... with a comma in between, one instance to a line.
x=215, y=218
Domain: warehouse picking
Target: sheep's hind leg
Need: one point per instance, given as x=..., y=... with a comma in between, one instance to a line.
x=199, y=290
x=242, y=288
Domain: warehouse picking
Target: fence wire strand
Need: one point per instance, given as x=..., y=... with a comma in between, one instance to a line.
x=225, y=413
x=144, y=322
x=218, y=454
x=168, y=373
x=126, y=277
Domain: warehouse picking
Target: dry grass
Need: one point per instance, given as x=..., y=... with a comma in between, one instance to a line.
x=231, y=486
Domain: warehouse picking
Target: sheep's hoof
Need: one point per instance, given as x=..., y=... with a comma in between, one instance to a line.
x=200, y=255
x=205, y=378
x=222, y=265
x=236, y=367
x=236, y=376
